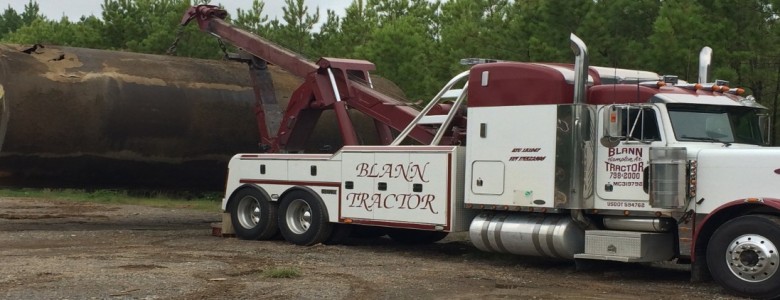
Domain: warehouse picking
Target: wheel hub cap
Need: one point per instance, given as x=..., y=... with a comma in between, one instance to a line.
x=249, y=212
x=752, y=258
x=299, y=216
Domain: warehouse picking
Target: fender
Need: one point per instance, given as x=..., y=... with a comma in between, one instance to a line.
x=246, y=186
x=726, y=212
x=313, y=194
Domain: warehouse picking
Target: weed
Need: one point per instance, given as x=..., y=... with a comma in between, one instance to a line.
x=282, y=272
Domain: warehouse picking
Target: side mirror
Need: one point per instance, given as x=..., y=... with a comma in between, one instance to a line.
x=613, y=126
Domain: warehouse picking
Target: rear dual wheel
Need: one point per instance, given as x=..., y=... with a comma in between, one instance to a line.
x=252, y=215
x=303, y=219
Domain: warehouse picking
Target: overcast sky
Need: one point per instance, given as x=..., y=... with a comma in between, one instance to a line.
x=74, y=9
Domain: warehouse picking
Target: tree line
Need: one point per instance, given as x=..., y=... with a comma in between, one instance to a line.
x=418, y=43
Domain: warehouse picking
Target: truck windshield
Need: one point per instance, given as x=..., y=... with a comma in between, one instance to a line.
x=712, y=123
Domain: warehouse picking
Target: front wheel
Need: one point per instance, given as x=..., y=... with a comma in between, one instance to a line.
x=303, y=219
x=743, y=256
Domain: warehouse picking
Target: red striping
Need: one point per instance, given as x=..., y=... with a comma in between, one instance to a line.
x=394, y=224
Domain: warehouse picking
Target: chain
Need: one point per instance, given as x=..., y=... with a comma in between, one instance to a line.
x=223, y=47
x=176, y=39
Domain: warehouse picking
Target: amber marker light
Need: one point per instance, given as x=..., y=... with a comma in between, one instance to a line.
x=715, y=88
x=347, y=221
x=626, y=213
x=754, y=200
x=697, y=86
x=737, y=91
x=724, y=89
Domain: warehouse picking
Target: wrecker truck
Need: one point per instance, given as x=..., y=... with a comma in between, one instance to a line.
x=536, y=159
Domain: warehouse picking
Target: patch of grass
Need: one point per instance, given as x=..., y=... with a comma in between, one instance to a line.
x=282, y=272
x=200, y=201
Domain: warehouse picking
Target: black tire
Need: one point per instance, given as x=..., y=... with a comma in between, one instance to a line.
x=415, y=237
x=743, y=257
x=253, y=216
x=303, y=219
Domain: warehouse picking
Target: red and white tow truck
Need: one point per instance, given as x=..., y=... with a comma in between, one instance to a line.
x=553, y=160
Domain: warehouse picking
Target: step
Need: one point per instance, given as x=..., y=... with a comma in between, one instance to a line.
x=628, y=246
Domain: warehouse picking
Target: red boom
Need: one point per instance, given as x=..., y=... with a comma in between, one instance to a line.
x=327, y=85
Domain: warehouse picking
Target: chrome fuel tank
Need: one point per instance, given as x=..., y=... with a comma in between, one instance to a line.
x=547, y=235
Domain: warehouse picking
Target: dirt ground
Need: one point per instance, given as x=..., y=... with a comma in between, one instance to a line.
x=66, y=250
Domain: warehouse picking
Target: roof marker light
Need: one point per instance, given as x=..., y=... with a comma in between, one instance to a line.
x=690, y=86
x=653, y=84
x=737, y=91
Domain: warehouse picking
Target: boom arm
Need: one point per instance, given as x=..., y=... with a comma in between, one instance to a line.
x=327, y=85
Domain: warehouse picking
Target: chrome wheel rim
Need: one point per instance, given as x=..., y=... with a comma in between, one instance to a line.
x=298, y=216
x=752, y=258
x=248, y=212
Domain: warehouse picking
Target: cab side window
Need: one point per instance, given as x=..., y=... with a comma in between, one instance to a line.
x=641, y=124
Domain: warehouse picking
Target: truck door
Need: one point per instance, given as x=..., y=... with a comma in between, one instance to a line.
x=628, y=132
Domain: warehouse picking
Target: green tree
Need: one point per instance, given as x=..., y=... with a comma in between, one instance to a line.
x=545, y=26
x=472, y=29
x=326, y=42
x=253, y=19
x=32, y=12
x=149, y=26
x=360, y=20
x=11, y=21
x=403, y=48
x=616, y=31
x=84, y=33
x=678, y=36
x=295, y=32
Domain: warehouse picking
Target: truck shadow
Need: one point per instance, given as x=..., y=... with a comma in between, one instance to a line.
x=463, y=250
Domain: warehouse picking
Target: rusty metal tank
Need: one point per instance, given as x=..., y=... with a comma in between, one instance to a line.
x=85, y=117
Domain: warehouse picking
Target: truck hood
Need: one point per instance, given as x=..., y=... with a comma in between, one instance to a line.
x=728, y=174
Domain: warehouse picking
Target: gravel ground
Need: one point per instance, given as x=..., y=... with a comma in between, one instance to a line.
x=66, y=250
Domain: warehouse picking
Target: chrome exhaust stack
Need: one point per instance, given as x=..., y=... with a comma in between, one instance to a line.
x=580, y=68
x=579, y=189
x=705, y=58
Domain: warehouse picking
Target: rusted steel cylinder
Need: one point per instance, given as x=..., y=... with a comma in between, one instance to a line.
x=86, y=117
